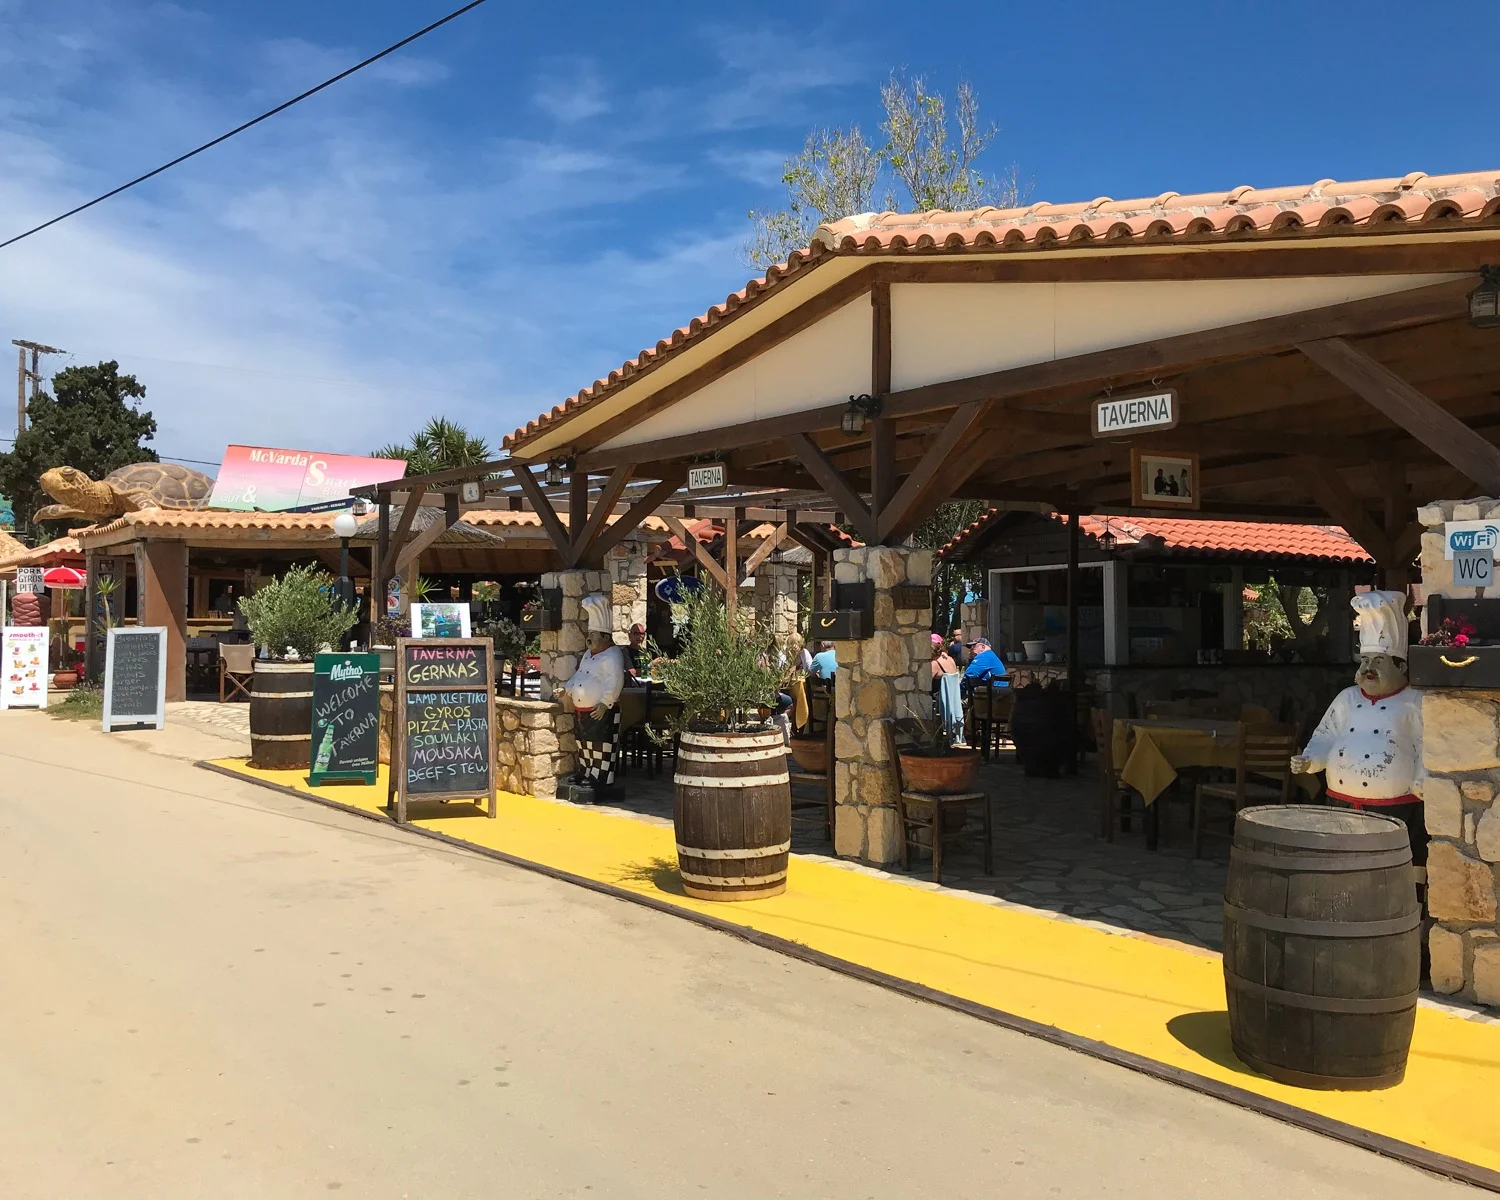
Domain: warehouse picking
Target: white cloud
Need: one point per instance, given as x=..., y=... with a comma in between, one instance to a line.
x=570, y=90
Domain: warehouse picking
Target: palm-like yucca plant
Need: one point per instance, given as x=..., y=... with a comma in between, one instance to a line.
x=440, y=445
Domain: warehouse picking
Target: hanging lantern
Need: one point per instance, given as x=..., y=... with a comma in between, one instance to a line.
x=1484, y=301
x=861, y=408
x=556, y=473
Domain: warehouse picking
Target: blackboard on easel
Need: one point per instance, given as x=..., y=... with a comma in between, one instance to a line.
x=135, y=677
x=444, y=743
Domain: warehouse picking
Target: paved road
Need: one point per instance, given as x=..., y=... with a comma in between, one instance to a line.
x=214, y=991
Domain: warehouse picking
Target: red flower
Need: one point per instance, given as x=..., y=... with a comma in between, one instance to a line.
x=1461, y=639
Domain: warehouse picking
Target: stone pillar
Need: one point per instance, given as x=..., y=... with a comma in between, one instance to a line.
x=562, y=649
x=535, y=746
x=1461, y=751
x=884, y=676
x=776, y=588
x=162, y=575
x=626, y=567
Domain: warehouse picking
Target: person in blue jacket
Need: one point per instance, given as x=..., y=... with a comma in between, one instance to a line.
x=985, y=666
x=825, y=662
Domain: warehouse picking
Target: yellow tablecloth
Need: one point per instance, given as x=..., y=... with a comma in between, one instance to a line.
x=1152, y=752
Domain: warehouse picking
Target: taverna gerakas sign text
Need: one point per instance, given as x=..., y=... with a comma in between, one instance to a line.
x=1116, y=415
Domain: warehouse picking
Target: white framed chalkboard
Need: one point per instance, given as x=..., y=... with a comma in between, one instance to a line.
x=135, y=677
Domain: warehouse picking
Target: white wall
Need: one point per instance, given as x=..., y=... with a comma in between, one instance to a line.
x=954, y=330
x=823, y=365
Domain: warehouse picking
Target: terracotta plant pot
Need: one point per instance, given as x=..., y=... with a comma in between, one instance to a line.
x=64, y=680
x=954, y=772
x=810, y=754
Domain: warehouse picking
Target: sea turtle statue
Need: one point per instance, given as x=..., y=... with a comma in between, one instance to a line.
x=138, y=486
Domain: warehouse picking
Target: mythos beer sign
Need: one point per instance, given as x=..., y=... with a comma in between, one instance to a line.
x=1115, y=416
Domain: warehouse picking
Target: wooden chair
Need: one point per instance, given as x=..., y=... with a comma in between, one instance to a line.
x=924, y=810
x=1262, y=775
x=988, y=717
x=236, y=670
x=1116, y=800
x=816, y=794
x=820, y=693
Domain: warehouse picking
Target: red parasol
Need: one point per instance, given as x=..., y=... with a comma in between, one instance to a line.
x=64, y=577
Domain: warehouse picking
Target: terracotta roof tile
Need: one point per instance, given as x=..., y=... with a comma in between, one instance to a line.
x=172, y=518
x=1195, y=538
x=57, y=551
x=1245, y=213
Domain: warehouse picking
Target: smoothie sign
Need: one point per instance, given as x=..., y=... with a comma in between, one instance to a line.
x=445, y=710
x=265, y=479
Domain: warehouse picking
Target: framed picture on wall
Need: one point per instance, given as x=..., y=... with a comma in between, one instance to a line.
x=1160, y=480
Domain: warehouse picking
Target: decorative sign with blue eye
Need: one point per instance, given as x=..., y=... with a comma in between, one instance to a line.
x=675, y=589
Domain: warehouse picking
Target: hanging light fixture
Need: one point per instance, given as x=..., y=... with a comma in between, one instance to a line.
x=1484, y=301
x=1107, y=540
x=556, y=473
x=861, y=409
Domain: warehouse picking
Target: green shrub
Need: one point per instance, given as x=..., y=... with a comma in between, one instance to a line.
x=722, y=674
x=297, y=612
x=82, y=703
x=512, y=643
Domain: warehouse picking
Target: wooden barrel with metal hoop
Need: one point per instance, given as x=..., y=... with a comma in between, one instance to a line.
x=1322, y=946
x=281, y=716
x=733, y=815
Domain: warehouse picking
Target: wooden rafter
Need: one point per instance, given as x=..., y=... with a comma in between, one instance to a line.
x=835, y=485
x=894, y=518
x=1436, y=428
x=542, y=506
x=700, y=551
x=1334, y=496
x=604, y=505
x=764, y=550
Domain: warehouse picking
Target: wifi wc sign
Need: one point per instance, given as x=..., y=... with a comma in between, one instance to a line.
x=1471, y=545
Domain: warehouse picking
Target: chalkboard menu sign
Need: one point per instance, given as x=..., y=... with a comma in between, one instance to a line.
x=345, y=718
x=135, y=677
x=445, y=710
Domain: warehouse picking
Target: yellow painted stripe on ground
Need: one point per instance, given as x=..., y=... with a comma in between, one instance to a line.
x=1162, y=1001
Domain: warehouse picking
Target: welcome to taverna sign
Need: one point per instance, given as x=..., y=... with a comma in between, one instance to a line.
x=1115, y=415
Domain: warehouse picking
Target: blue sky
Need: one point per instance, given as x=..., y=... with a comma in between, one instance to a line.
x=493, y=218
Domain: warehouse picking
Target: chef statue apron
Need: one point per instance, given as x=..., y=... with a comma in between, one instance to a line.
x=1370, y=739
x=593, y=693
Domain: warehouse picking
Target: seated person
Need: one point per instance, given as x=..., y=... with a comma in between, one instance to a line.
x=942, y=662
x=825, y=662
x=956, y=646
x=985, y=666
x=637, y=657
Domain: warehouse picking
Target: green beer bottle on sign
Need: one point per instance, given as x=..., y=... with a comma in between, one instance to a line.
x=325, y=749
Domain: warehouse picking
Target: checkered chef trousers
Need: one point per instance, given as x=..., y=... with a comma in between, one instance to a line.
x=599, y=747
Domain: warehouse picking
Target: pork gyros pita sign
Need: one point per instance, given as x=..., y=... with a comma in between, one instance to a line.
x=265, y=479
x=1115, y=416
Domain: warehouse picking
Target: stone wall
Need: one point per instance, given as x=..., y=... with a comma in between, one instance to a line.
x=534, y=745
x=1461, y=751
x=883, y=676
x=776, y=598
x=562, y=649
x=626, y=566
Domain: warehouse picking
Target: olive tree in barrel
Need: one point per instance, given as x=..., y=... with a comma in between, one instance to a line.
x=733, y=807
x=1322, y=946
x=291, y=619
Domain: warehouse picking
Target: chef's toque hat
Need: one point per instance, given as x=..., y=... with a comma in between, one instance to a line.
x=599, y=615
x=1381, y=619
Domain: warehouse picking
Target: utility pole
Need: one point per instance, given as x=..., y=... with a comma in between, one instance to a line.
x=34, y=374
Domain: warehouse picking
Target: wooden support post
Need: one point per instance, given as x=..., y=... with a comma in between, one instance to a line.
x=578, y=504
x=765, y=549
x=1075, y=674
x=732, y=565
x=380, y=570
x=162, y=600
x=409, y=509
x=543, y=507
x=1432, y=425
x=1335, y=498
x=896, y=515
x=613, y=535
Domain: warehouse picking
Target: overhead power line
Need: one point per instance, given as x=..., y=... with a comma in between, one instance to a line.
x=406, y=41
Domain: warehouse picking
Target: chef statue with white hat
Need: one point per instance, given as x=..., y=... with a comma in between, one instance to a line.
x=593, y=693
x=1370, y=739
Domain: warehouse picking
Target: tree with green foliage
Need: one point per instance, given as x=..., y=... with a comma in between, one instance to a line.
x=439, y=446
x=92, y=421
x=930, y=159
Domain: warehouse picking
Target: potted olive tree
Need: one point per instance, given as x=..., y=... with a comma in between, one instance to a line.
x=291, y=619
x=733, y=807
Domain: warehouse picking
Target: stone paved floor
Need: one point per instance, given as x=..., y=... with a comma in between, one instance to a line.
x=231, y=718
x=1047, y=857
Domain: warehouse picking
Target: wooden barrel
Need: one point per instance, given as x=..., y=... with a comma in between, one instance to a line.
x=733, y=815
x=1322, y=946
x=281, y=716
